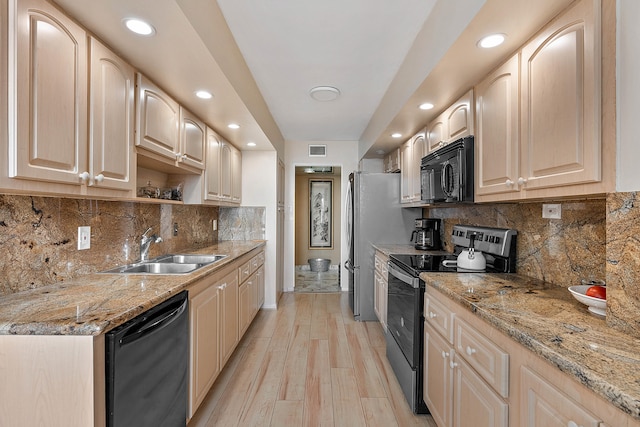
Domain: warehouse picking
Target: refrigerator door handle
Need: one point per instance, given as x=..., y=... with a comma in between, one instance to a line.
x=349, y=266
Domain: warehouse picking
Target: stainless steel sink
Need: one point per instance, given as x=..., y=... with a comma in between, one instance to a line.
x=167, y=264
x=189, y=258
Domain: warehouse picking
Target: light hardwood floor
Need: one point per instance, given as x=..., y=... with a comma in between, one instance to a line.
x=308, y=364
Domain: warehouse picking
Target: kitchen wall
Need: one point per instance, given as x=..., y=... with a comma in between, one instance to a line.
x=38, y=236
x=242, y=223
x=595, y=239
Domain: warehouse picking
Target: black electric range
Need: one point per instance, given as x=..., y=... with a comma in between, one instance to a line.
x=405, y=299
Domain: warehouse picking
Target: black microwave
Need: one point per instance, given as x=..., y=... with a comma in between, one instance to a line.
x=446, y=175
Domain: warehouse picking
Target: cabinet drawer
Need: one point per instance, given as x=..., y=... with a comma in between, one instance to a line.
x=244, y=271
x=489, y=360
x=439, y=317
x=544, y=405
x=254, y=264
x=377, y=263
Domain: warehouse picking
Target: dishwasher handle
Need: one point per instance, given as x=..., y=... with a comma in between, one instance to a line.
x=153, y=323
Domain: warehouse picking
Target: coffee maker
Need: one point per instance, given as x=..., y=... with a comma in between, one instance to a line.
x=427, y=234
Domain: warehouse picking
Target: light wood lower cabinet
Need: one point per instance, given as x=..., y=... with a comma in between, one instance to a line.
x=251, y=275
x=454, y=392
x=204, y=323
x=485, y=378
x=218, y=318
x=213, y=320
x=380, y=287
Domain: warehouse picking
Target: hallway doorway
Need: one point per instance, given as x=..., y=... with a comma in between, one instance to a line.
x=318, y=227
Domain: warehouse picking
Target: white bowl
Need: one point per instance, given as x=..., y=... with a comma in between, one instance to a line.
x=595, y=305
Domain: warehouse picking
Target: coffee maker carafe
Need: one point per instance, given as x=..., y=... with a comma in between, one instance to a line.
x=427, y=234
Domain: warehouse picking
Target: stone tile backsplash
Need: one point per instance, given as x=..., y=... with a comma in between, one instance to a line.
x=38, y=236
x=560, y=251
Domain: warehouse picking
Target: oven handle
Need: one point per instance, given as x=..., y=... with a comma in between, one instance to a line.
x=404, y=277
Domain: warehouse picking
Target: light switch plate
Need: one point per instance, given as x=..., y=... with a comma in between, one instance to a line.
x=84, y=238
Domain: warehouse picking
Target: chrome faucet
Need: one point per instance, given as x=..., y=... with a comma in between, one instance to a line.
x=145, y=242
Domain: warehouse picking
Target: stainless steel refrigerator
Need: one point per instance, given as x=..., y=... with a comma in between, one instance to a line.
x=374, y=215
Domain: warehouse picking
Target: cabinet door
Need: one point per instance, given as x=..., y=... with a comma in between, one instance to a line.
x=193, y=137
x=561, y=101
x=460, y=118
x=112, y=94
x=157, y=120
x=229, y=309
x=497, y=136
x=438, y=380
x=49, y=74
x=205, y=350
x=260, y=284
x=236, y=175
x=226, y=174
x=543, y=405
x=377, y=293
x=406, y=190
x=244, y=306
x=436, y=134
x=417, y=152
x=212, y=171
x=475, y=403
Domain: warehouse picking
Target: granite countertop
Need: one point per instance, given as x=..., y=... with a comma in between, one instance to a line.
x=547, y=320
x=95, y=303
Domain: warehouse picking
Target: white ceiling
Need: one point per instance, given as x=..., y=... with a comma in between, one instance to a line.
x=292, y=46
x=260, y=58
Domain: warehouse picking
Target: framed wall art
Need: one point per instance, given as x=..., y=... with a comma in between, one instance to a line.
x=320, y=214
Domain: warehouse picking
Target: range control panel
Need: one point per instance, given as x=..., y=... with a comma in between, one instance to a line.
x=496, y=241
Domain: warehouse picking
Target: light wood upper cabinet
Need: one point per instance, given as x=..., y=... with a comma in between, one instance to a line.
x=392, y=161
x=49, y=71
x=436, y=134
x=459, y=118
x=111, y=114
x=193, y=138
x=157, y=121
x=212, y=172
x=559, y=148
x=561, y=101
x=454, y=123
x=497, y=136
x=411, y=153
x=236, y=175
x=225, y=170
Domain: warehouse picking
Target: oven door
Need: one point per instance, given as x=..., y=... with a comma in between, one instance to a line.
x=404, y=311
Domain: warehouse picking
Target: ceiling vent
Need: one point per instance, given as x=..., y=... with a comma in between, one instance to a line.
x=317, y=151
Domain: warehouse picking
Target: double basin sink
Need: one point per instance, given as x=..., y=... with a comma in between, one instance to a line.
x=167, y=264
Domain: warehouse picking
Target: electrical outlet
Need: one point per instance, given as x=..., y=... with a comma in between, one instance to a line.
x=214, y=224
x=552, y=211
x=175, y=228
x=84, y=238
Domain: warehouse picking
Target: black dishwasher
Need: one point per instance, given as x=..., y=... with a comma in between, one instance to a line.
x=147, y=362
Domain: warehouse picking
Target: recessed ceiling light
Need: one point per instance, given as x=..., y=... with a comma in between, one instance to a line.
x=251, y=144
x=492, y=40
x=203, y=94
x=324, y=93
x=380, y=152
x=396, y=135
x=426, y=106
x=233, y=126
x=139, y=26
